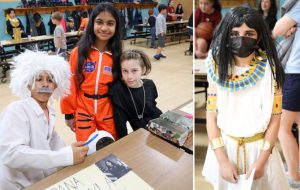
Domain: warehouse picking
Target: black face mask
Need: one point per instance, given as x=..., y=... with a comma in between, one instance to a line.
x=243, y=46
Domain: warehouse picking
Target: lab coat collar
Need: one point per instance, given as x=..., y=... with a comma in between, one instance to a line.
x=37, y=108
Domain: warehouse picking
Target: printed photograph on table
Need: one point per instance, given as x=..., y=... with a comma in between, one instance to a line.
x=246, y=116
x=112, y=167
x=85, y=80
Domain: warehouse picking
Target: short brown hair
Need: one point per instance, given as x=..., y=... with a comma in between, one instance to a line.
x=57, y=16
x=150, y=11
x=134, y=54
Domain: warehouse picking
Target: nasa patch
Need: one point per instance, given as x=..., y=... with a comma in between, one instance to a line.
x=89, y=67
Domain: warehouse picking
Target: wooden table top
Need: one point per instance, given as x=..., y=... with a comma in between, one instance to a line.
x=160, y=164
x=6, y=43
x=34, y=39
x=167, y=23
x=199, y=67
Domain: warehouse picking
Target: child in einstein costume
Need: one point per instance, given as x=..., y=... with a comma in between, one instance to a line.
x=244, y=104
x=30, y=148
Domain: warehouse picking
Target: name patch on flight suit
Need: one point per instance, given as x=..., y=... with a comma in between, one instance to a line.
x=89, y=67
x=107, y=70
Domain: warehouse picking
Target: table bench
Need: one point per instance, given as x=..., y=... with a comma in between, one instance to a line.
x=139, y=34
x=172, y=35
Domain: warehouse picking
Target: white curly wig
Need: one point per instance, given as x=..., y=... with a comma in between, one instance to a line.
x=29, y=64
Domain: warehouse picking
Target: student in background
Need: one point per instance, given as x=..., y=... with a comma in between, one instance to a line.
x=171, y=16
x=208, y=11
x=39, y=24
x=94, y=64
x=60, y=41
x=133, y=98
x=30, y=148
x=268, y=9
x=84, y=22
x=161, y=30
x=244, y=104
x=14, y=22
x=70, y=25
x=290, y=22
x=72, y=41
x=179, y=11
x=151, y=21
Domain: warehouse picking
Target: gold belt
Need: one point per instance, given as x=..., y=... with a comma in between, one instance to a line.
x=241, y=141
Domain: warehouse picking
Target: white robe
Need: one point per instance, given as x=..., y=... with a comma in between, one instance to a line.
x=30, y=149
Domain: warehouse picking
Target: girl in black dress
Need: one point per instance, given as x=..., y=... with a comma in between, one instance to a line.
x=179, y=11
x=133, y=98
x=268, y=9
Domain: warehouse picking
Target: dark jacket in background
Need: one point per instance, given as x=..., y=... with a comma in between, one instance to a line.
x=151, y=21
x=271, y=21
x=76, y=17
x=138, y=19
x=130, y=17
x=30, y=25
x=122, y=24
x=39, y=24
x=51, y=26
x=41, y=29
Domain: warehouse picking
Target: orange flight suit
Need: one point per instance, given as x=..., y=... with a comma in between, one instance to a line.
x=90, y=104
x=84, y=23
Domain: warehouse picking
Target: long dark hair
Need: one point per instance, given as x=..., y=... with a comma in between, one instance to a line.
x=221, y=51
x=88, y=39
x=216, y=5
x=272, y=11
x=179, y=10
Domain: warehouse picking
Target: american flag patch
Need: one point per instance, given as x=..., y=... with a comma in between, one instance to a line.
x=107, y=70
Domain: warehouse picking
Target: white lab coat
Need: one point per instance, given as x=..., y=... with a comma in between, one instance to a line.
x=30, y=149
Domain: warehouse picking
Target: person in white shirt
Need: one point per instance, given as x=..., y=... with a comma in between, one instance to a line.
x=30, y=149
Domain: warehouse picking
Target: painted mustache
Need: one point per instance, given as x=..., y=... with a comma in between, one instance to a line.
x=45, y=90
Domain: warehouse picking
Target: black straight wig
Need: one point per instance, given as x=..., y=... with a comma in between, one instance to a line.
x=221, y=49
x=89, y=38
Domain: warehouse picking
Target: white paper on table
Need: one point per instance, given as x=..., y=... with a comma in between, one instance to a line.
x=199, y=66
x=189, y=108
x=242, y=184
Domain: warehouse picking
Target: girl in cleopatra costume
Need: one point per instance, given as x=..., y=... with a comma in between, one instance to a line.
x=94, y=64
x=134, y=98
x=30, y=148
x=243, y=104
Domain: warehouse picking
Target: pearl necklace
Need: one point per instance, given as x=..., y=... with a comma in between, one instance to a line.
x=140, y=116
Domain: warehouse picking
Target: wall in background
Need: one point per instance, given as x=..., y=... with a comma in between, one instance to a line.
x=225, y=10
x=4, y=4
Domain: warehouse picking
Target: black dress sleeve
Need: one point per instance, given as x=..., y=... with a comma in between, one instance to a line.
x=120, y=117
x=21, y=25
x=157, y=112
x=43, y=29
